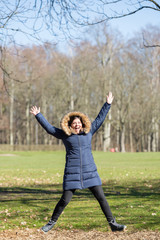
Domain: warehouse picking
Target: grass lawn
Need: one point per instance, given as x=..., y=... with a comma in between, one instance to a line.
x=31, y=185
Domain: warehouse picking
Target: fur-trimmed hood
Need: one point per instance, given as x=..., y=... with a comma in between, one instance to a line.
x=85, y=122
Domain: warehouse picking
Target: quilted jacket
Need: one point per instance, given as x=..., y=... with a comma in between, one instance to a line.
x=80, y=169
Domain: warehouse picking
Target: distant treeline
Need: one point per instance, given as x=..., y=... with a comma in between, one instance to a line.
x=79, y=80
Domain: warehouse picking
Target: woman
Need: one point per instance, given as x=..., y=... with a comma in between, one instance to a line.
x=80, y=169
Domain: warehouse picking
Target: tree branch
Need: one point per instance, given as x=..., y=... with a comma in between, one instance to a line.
x=146, y=45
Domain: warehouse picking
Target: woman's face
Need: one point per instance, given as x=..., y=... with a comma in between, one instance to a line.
x=76, y=125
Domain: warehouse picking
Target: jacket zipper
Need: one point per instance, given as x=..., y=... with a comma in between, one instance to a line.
x=80, y=161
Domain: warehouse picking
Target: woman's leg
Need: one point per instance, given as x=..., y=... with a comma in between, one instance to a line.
x=63, y=202
x=99, y=195
x=65, y=199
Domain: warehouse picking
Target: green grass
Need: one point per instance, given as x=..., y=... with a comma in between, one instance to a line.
x=31, y=185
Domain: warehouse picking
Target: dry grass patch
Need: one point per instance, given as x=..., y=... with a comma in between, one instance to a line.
x=33, y=234
x=7, y=155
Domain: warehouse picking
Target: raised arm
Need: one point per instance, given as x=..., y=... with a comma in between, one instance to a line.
x=56, y=132
x=102, y=114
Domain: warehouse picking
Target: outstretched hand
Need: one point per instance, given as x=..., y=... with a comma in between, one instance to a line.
x=110, y=98
x=34, y=110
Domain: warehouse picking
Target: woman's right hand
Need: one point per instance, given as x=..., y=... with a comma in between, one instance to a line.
x=34, y=110
x=110, y=98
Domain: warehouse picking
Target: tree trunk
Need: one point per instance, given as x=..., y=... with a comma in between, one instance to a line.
x=28, y=114
x=70, y=78
x=130, y=133
x=155, y=87
x=118, y=133
x=36, y=133
x=27, y=123
x=72, y=98
x=107, y=129
x=19, y=136
x=123, y=139
x=149, y=143
x=154, y=146
x=44, y=107
x=12, y=113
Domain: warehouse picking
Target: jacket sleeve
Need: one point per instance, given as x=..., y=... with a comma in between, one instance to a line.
x=56, y=132
x=100, y=118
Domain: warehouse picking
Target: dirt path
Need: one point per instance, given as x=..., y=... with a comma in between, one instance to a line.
x=7, y=155
x=29, y=234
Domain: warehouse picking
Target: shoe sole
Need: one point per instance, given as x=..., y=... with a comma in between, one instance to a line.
x=42, y=230
x=123, y=230
x=45, y=231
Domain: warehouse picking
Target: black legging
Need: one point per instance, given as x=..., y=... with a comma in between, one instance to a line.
x=67, y=196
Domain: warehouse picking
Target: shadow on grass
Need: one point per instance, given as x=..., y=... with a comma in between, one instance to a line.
x=127, y=190
x=134, y=188
x=41, y=199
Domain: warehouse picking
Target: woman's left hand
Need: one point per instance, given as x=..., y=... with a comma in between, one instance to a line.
x=110, y=98
x=34, y=110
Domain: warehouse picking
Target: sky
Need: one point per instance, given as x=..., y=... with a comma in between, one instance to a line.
x=128, y=26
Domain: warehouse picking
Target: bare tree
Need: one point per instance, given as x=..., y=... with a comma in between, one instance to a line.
x=45, y=80
x=63, y=17
x=106, y=52
x=91, y=12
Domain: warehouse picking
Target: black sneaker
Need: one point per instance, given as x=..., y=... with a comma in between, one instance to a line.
x=48, y=226
x=115, y=226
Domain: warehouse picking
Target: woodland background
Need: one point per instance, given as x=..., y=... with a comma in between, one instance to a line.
x=79, y=78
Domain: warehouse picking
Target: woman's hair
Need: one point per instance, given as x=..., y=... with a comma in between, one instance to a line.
x=72, y=119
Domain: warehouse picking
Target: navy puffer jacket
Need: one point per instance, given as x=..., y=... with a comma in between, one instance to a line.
x=80, y=169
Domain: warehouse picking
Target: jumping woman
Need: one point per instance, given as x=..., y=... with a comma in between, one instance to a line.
x=80, y=169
